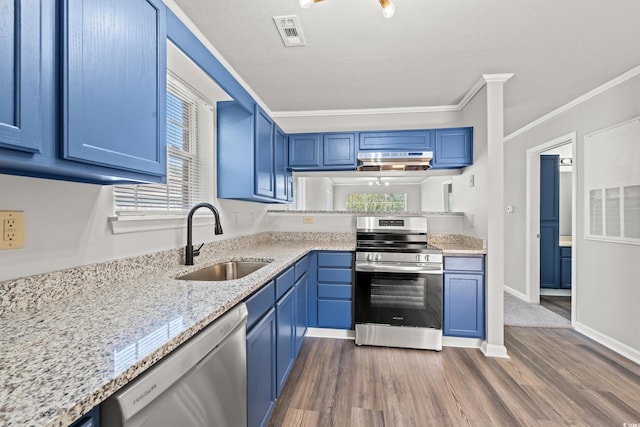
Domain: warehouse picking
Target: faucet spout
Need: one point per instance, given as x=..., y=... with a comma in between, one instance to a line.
x=190, y=252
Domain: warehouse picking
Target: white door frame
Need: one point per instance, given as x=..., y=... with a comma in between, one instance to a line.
x=532, y=238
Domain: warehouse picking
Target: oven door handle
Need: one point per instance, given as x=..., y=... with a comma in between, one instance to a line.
x=397, y=268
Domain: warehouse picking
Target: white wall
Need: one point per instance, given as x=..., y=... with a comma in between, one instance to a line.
x=607, y=293
x=565, y=202
x=472, y=200
x=432, y=199
x=66, y=225
x=317, y=193
x=346, y=223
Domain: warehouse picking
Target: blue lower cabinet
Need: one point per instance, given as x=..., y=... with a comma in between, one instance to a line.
x=463, y=305
x=334, y=314
x=285, y=338
x=312, y=289
x=261, y=360
x=463, y=297
x=565, y=267
x=90, y=419
x=334, y=289
x=301, y=294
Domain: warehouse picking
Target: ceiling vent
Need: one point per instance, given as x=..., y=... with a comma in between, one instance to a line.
x=290, y=31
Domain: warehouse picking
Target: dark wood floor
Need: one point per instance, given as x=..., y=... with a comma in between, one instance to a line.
x=554, y=377
x=558, y=304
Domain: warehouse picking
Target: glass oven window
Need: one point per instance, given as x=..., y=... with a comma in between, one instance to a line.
x=389, y=292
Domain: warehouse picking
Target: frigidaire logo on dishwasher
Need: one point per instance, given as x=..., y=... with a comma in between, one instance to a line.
x=144, y=393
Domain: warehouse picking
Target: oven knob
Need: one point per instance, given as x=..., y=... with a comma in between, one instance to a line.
x=426, y=258
x=369, y=257
x=378, y=257
x=418, y=258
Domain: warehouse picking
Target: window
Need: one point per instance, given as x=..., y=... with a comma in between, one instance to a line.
x=190, y=159
x=377, y=202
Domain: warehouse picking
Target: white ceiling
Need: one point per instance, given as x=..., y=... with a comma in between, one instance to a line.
x=429, y=54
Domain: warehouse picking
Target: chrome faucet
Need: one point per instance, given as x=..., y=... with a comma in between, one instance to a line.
x=190, y=251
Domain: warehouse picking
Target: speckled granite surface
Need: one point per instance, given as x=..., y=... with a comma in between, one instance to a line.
x=65, y=351
x=72, y=338
x=457, y=244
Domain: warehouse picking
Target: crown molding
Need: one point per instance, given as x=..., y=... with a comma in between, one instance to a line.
x=366, y=111
x=473, y=90
x=635, y=71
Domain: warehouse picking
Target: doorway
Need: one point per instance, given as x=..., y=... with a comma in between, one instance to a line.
x=533, y=239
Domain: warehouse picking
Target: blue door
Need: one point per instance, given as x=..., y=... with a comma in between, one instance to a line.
x=453, y=148
x=339, y=149
x=549, y=221
x=285, y=338
x=463, y=305
x=261, y=358
x=281, y=171
x=304, y=150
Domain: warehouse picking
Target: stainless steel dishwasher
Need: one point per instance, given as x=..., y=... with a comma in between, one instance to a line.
x=202, y=384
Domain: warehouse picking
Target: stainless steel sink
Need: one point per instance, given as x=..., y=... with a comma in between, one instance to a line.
x=224, y=271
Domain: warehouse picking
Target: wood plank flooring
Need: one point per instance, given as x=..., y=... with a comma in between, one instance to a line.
x=554, y=377
x=558, y=304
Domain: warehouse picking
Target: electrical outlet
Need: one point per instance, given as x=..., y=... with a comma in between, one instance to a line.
x=307, y=220
x=12, y=229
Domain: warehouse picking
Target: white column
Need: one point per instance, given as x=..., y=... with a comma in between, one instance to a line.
x=494, y=344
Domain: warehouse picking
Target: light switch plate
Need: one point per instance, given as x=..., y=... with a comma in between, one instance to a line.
x=12, y=223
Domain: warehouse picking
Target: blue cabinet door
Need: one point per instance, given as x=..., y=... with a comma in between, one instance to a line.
x=396, y=140
x=549, y=188
x=264, y=173
x=453, y=148
x=463, y=305
x=312, y=290
x=334, y=314
x=339, y=149
x=304, y=150
x=565, y=268
x=281, y=172
x=261, y=362
x=285, y=338
x=301, y=312
x=20, y=122
x=114, y=84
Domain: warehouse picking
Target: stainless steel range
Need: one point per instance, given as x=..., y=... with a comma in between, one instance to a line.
x=398, y=284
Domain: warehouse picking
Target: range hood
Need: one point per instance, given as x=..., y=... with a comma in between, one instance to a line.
x=394, y=160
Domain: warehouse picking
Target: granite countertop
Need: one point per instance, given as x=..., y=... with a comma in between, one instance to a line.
x=82, y=334
x=60, y=360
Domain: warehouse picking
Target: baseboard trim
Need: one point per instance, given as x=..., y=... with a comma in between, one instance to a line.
x=515, y=293
x=344, y=334
x=556, y=292
x=611, y=343
x=461, y=342
x=493, y=350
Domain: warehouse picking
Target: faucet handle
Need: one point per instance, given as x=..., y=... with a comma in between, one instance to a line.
x=196, y=252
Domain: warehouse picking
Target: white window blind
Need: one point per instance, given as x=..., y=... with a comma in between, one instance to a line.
x=190, y=159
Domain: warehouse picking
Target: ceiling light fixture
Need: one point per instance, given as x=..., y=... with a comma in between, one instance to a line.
x=388, y=8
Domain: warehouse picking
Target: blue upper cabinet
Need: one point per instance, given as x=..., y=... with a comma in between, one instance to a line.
x=339, y=149
x=396, y=140
x=304, y=150
x=322, y=151
x=453, y=148
x=114, y=84
x=251, y=152
x=82, y=90
x=20, y=120
x=281, y=172
x=264, y=152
